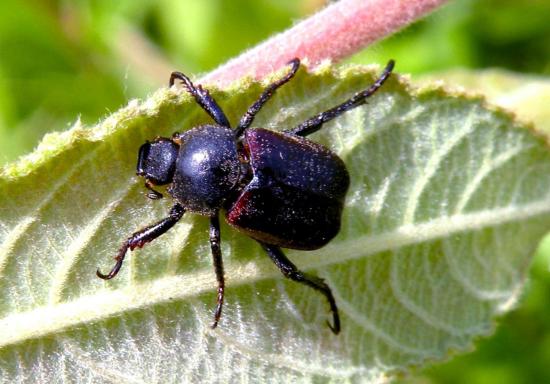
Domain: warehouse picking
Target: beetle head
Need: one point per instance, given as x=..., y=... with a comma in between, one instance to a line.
x=157, y=161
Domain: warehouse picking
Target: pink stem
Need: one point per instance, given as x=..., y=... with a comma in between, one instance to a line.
x=337, y=31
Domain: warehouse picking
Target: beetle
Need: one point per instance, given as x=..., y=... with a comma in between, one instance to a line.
x=279, y=188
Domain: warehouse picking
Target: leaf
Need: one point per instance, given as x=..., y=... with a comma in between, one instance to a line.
x=447, y=202
x=525, y=95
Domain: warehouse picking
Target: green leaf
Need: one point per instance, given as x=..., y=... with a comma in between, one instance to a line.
x=447, y=202
x=525, y=95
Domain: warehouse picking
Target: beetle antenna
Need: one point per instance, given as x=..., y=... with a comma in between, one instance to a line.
x=153, y=194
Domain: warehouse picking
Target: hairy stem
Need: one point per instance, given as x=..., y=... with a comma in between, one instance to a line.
x=337, y=31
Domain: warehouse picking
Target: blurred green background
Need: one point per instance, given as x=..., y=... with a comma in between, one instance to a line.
x=66, y=60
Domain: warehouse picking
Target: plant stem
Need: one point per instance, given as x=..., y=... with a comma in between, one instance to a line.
x=334, y=33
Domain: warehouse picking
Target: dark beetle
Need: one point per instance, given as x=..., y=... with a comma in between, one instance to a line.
x=277, y=187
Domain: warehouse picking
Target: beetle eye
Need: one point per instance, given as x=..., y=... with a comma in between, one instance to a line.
x=157, y=161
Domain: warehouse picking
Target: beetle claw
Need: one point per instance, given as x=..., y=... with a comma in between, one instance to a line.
x=101, y=275
x=112, y=273
x=336, y=327
x=119, y=259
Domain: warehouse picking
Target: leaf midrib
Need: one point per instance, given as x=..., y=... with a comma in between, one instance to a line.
x=18, y=327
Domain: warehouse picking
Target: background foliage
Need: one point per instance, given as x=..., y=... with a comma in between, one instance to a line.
x=63, y=60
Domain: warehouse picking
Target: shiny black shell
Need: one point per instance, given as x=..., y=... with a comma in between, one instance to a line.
x=296, y=195
x=207, y=168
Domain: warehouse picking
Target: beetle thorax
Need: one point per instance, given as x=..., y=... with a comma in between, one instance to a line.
x=207, y=168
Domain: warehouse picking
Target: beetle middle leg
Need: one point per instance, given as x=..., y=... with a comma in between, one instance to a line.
x=218, y=265
x=142, y=237
x=315, y=123
x=202, y=97
x=249, y=115
x=290, y=271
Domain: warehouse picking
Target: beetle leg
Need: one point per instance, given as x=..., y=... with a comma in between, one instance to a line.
x=249, y=115
x=290, y=271
x=315, y=123
x=218, y=265
x=203, y=98
x=142, y=237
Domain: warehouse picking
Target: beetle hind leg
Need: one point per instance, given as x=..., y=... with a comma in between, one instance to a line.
x=316, y=122
x=290, y=271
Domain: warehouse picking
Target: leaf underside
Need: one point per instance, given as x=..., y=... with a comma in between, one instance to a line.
x=447, y=203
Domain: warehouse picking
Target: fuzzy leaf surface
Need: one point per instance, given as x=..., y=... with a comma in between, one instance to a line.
x=448, y=200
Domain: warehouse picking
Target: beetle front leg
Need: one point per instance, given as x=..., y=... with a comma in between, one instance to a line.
x=290, y=271
x=218, y=265
x=142, y=237
x=202, y=97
